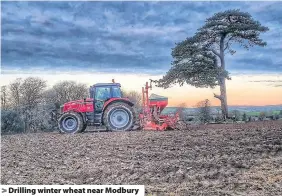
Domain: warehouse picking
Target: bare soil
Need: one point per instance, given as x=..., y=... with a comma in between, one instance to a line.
x=237, y=159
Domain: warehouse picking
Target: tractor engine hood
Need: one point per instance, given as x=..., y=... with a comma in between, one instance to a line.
x=77, y=105
x=79, y=101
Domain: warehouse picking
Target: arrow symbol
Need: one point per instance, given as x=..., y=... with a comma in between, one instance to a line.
x=4, y=190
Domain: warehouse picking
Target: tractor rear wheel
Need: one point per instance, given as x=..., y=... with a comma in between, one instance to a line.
x=71, y=122
x=119, y=117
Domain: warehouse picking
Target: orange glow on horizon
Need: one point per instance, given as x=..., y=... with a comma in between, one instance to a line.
x=240, y=90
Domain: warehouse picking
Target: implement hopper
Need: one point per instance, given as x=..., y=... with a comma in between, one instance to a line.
x=151, y=118
x=158, y=101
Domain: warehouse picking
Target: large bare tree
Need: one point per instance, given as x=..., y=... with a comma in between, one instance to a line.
x=66, y=91
x=32, y=90
x=15, y=92
x=4, y=97
x=135, y=97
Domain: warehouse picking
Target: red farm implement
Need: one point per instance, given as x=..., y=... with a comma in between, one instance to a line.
x=152, y=118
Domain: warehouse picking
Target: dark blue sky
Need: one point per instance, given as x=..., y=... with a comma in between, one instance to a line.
x=123, y=36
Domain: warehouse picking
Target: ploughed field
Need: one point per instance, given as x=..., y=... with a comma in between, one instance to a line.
x=232, y=159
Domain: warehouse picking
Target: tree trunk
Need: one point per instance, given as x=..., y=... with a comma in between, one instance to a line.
x=221, y=79
x=223, y=100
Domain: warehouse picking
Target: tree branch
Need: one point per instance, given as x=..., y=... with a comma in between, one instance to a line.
x=217, y=96
x=227, y=43
x=216, y=53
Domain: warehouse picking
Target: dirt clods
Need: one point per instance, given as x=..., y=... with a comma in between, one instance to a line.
x=237, y=159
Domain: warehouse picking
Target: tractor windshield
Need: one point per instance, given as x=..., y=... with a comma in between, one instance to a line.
x=103, y=93
x=116, y=92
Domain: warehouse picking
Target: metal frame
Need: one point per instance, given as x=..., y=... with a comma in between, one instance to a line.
x=151, y=119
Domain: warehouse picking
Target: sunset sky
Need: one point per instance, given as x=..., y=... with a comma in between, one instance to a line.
x=131, y=42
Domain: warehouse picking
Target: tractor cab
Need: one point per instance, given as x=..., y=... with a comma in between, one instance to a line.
x=102, y=92
x=105, y=91
x=106, y=106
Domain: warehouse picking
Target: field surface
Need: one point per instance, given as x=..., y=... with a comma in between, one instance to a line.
x=239, y=159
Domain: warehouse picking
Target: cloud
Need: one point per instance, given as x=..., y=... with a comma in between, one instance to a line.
x=148, y=31
x=274, y=83
x=123, y=36
x=263, y=63
x=258, y=8
x=267, y=81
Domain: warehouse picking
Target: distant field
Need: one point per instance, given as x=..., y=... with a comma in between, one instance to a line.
x=192, y=111
x=257, y=113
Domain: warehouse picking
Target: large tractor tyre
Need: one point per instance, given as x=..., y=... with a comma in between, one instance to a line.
x=119, y=117
x=71, y=122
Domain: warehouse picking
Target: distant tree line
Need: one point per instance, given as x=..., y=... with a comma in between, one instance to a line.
x=204, y=115
x=26, y=103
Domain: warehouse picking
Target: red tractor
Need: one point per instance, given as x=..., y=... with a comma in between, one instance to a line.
x=106, y=106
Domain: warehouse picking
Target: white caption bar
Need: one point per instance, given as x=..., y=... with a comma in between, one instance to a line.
x=73, y=190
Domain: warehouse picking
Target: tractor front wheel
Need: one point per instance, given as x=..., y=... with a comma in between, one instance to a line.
x=71, y=122
x=119, y=117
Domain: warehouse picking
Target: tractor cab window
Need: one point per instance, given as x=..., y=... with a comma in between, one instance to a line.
x=116, y=92
x=103, y=93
